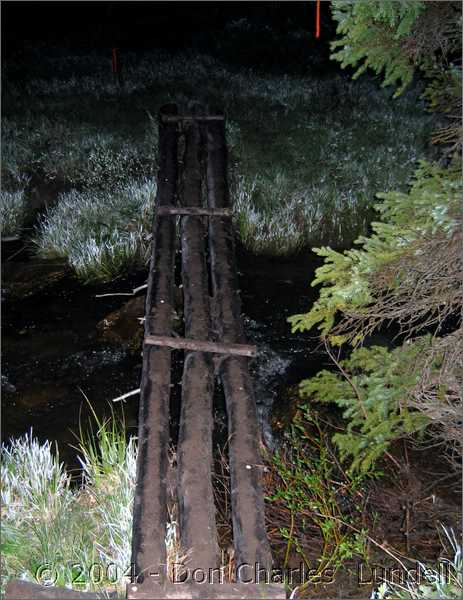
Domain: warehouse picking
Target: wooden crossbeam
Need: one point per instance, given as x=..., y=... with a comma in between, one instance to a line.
x=201, y=346
x=176, y=118
x=193, y=211
x=24, y=590
x=18, y=589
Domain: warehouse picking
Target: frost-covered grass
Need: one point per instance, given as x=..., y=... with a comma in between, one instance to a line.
x=13, y=209
x=292, y=217
x=74, y=151
x=443, y=582
x=109, y=474
x=306, y=172
x=53, y=532
x=102, y=233
x=307, y=154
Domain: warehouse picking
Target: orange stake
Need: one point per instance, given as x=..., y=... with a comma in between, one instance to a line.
x=114, y=60
x=317, y=21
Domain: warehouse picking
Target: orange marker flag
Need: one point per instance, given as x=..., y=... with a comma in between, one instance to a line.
x=317, y=21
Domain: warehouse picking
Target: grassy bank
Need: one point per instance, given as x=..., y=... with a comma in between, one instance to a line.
x=56, y=534
x=308, y=153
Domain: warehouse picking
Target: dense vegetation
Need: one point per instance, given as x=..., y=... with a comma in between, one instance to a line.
x=407, y=273
x=55, y=533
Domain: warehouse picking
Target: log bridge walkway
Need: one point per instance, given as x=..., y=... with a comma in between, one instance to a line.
x=215, y=345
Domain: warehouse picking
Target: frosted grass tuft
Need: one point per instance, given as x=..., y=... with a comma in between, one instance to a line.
x=101, y=233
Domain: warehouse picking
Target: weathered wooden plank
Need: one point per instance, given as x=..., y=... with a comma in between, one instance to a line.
x=193, y=211
x=201, y=346
x=150, y=511
x=17, y=589
x=249, y=533
x=206, y=591
x=198, y=531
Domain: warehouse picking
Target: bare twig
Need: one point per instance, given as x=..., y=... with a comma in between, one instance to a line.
x=15, y=253
x=115, y=294
x=127, y=395
x=132, y=293
x=139, y=288
x=348, y=379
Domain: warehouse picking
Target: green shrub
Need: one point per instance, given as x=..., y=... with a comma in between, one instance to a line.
x=373, y=392
x=318, y=500
x=373, y=33
x=408, y=272
x=388, y=277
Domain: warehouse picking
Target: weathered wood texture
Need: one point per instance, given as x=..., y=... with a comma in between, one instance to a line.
x=24, y=590
x=249, y=533
x=201, y=346
x=206, y=591
x=194, y=451
x=150, y=510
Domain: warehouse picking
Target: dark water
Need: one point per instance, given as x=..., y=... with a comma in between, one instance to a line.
x=53, y=353
x=272, y=289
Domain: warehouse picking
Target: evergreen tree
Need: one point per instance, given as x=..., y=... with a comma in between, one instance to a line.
x=408, y=271
x=397, y=37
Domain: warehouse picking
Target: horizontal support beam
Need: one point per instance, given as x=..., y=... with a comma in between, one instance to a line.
x=175, y=118
x=201, y=346
x=193, y=211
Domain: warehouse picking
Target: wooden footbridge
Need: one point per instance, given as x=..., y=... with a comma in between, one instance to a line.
x=193, y=195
